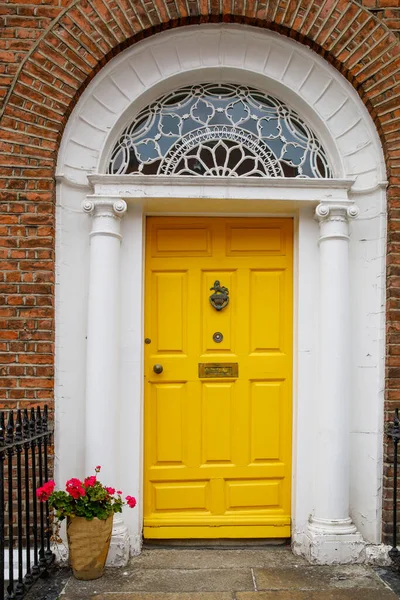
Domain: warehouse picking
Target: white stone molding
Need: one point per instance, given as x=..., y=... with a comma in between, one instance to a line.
x=331, y=520
x=224, y=53
x=147, y=187
x=103, y=345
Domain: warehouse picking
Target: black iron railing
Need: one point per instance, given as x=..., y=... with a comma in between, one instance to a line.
x=394, y=433
x=25, y=552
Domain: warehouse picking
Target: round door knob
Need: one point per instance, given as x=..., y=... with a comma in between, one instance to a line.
x=158, y=369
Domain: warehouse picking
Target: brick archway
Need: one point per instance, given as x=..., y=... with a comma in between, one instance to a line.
x=55, y=67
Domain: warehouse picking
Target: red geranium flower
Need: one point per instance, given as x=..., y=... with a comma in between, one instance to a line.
x=90, y=481
x=43, y=493
x=131, y=501
x=75, y=488
x=110, y=490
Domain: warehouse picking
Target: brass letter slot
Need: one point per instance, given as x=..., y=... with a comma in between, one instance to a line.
x=218, y=370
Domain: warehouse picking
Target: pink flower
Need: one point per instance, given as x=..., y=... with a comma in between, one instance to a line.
x=75, y=488
x=110, y=490
x=131, y=501
x=98, y=468
x=43, y=493
x=49, y=486
x=119, y=492
x=90, y=481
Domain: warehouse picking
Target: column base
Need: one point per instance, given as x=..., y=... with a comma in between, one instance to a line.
x=336, y=544
x=332, y=526
x=118, y=554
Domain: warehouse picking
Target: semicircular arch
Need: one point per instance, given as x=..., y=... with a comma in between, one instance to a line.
x=227, y=53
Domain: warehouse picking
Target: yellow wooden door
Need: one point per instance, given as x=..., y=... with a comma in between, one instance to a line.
x=218, y=449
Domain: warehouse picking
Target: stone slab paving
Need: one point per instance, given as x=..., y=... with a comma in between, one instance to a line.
x=229, y=574
x=314, y=578
x=172, y=558
x=381, y=594
x=166, y=596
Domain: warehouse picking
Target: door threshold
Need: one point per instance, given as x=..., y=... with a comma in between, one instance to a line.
x=216, y=543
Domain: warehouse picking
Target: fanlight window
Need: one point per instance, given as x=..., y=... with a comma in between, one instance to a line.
x=219, y=130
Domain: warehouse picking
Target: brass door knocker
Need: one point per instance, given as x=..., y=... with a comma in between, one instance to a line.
x=220, y=298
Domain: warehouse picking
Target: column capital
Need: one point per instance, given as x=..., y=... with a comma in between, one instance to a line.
x=334, y=218
x=336, y=211
x=100, y=206
x=107, y=213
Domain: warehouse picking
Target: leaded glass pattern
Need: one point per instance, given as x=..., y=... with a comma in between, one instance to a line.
x=219, y=130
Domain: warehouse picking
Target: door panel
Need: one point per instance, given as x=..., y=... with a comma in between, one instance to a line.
x=168, y=424
x=170, y=290
x=265, y=318
x=218, y=449
x=217, y=407
x=266, y=401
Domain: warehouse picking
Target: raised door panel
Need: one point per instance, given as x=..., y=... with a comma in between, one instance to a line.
x=246, y=239
x=217, y=417
x=249, y=495
x=169, y=427
x=181, y=496
x=267, y=306
x=174, y=239
x=169, y=299
x=266, y=400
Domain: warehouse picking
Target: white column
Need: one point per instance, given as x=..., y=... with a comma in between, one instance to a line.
x=332, y=536
x=102, y=363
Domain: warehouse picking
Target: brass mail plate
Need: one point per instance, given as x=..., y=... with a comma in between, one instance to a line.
x=218, y=370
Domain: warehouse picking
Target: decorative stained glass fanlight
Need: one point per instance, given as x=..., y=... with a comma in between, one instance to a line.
x=219, y=130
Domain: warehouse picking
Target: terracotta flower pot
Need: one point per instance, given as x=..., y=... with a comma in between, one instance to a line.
x=88, y=543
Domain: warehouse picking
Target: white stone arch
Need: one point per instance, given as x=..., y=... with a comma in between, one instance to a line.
x=226, y=53
x=282, y=67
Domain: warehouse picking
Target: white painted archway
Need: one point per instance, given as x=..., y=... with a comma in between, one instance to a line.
x=86, y=412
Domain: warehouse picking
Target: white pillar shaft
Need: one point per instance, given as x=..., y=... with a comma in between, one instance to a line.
x=332, y=497
x=102, y=357
x=334, y=391
x=102, y=379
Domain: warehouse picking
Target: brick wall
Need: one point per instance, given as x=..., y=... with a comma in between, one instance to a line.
x=23, y=24
x=386, y=10
x=50, y=50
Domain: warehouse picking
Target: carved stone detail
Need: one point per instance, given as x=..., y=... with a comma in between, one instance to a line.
x=105, y=207
x=336, y=211
x=106, y=214
x=334, y=219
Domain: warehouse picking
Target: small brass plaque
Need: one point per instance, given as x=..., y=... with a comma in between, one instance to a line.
x=218, y=370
